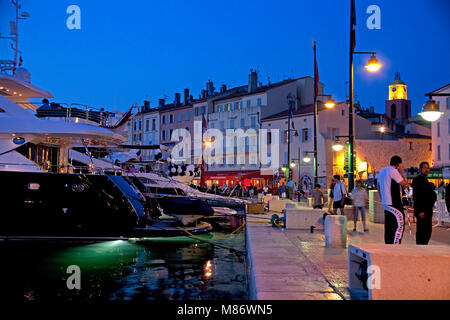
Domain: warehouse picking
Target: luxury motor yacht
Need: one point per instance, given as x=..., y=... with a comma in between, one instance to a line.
x=45, y=192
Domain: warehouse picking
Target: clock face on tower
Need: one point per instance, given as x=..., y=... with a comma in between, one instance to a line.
x=394, y=89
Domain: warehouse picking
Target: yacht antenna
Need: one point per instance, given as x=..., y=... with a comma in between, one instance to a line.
x=14, y=36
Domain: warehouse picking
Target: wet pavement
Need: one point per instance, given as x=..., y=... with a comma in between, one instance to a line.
x=295, y=265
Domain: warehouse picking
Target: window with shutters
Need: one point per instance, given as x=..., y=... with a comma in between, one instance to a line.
x=305, y=135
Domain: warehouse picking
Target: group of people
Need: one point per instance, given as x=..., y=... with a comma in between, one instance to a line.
x=288, y=190
x=236, y=190
x=391, y=184
x=339, y=197
x=391, y=180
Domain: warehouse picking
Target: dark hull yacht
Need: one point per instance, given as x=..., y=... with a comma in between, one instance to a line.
x=69, y=206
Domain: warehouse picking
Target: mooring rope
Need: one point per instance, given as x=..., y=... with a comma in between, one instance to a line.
x=215, y=239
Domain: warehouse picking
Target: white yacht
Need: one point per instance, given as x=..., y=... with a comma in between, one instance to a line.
x=44, y=191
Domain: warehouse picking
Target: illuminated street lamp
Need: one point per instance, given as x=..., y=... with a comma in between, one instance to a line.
x=430, y=111
x=293, y=164
x=307, y=158
x=329, y=104
x=337, y=146
x=207, y=143
x=372, y=65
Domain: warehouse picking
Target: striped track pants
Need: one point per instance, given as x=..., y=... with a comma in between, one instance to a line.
x=394, y=224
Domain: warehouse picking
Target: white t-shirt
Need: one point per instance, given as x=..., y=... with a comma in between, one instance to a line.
x=339, y=191
x=385, y=176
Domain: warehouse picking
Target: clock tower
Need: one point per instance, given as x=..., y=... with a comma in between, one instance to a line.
x=398, y=107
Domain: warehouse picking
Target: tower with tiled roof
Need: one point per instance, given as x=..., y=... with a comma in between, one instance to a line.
x=398, y=107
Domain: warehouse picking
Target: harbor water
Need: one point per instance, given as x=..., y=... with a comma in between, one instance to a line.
x=163, y=269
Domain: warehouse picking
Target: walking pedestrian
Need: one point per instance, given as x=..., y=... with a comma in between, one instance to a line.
x=330, y=197
x=360, y=200
x=390, y=179
x=291, y=188
x=424, y=198
x=339, y=193
x=447, y=196
x=318, y=197
x=283, y=190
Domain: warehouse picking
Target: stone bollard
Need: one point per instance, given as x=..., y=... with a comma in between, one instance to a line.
x=376, y=211
x=335, y=231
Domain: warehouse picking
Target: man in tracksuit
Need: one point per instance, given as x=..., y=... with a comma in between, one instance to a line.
x=424, y=198
x=390, y=180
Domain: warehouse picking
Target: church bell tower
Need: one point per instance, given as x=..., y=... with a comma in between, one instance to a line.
x=398, y=107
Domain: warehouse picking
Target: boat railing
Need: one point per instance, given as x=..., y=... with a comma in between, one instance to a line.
x=199, y=197
x=65, y=168
x=75, y=111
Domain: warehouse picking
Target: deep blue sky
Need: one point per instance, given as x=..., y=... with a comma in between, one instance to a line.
x=127, y=50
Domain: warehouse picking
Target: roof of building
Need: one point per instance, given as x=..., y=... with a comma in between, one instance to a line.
x=397, y=79
x=217, y=96
x=306, y=109
x=441, y=88
x=264, y=88
x=413, y=135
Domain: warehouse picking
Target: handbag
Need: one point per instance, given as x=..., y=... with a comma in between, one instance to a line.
x=347, y=200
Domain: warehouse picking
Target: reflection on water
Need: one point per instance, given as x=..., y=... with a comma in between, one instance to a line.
x=121, y=270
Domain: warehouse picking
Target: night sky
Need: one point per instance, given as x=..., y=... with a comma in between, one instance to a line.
x=128, y=51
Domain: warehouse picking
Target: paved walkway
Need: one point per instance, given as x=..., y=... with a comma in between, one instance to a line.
x=295, y=265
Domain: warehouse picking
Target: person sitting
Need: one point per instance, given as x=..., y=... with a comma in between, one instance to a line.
x=45, y=106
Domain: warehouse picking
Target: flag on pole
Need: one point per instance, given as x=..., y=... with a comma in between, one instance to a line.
x=202, y=165
x=316, y=73
x=204, y=123
x=12, y=28
x=291, y=114
x=352, y=26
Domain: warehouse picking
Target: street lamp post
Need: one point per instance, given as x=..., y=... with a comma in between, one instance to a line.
x=372, y=66
x=338, y=146
x=290, y=101
x=329, y=104
x=307, y=158
x=298, y=173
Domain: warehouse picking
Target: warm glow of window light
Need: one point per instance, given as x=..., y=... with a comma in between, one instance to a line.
x=382, y=129
x=373, y=65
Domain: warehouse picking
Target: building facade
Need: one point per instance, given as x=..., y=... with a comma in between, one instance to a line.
x=177, y=115
x=441, y=133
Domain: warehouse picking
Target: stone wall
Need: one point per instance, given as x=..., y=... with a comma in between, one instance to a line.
x=378, y=152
